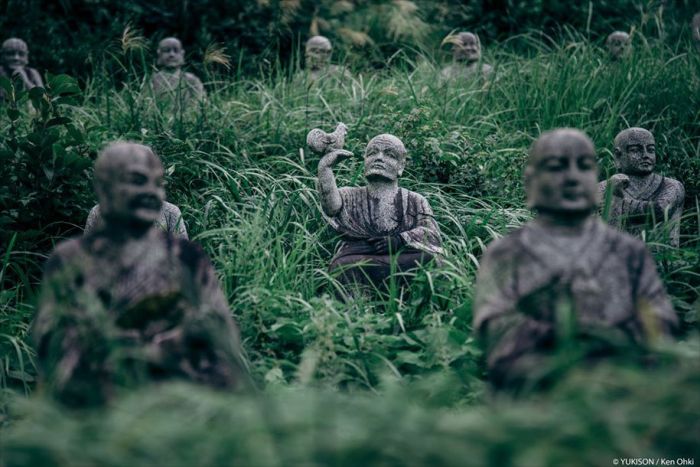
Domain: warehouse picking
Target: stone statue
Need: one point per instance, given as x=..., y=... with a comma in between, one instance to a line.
x=566, y=267
x=170, y=220
x=377, y=221
x=130, y=302
x=15, y=58
x=318, y=60
x=695, y=26
x=170, y=80
x=466, y=56
x=638, y=194
x=618, y=44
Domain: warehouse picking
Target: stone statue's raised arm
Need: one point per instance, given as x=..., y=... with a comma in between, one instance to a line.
x=329, y=144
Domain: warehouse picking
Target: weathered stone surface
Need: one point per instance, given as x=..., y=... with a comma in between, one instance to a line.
x=618, y=44
x=565, y=263
x=170, y=81
x=640, y=198
x=695, y=29
x=380, y=221
x=466, y=55
x=130, y=302
x=15, y=58
x=317, y=54
x=170, y=221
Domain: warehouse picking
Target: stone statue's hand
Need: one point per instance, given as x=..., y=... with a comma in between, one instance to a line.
x=335, y=156
x=386, y=244
x=619, y=183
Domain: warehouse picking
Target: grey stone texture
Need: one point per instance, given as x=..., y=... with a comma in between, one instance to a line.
x=641, y=199
x=318, y=66
x=171, y=81
x=466, y=54
x=695, y=31
x=564, y=263
x=15, y=60
x=170, y=221
x=380, y=221
x=130, y=302
x=619, y=44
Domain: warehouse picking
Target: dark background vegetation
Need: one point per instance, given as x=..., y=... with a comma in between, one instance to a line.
x=73, y=36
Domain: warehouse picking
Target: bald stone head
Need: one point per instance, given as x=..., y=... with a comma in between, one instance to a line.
x=129, y=184
x=318, y=52
x=385, y=158
x=561, y=177
x=635, y=152
x=171, y=55
x=15, y=53
x=467, y=47
x=618, y=44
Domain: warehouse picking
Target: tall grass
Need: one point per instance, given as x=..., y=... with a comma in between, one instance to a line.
x=238, y=168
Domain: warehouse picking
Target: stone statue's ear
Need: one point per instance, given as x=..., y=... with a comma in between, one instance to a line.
x=402, y=166
x=527, y=182
x=617, y=155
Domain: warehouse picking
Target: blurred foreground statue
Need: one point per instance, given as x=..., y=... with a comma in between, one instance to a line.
x=128, y=302
x=379, y=222
x=466, y=55
x=15, y=58
x=317, y=55
x=565, y=274
x=170, y=81
x=618, y=44
x=170, y=220
x=640, y=198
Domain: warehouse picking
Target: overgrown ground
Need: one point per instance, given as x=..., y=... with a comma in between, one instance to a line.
x=393, y=381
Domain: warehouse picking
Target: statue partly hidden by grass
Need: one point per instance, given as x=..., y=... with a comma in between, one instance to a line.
x=128, y=302
x=566, y=276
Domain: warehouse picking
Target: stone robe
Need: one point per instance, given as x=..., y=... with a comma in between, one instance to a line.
x=170, y=220
x=180, y=85
x=462, y=71
x=357, y=221
x=634, y=214
x=111, y=313
x=608, y=281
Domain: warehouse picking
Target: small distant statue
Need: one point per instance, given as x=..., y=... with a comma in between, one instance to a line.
x=695, y=27
x=317, y=55
x=638, y=194
x=170, y=221
x=15, y=58
x=170, y=81
x=378, y=222
x=619, y=45
x=130, y=302
x=564, y=272
x=466, y=56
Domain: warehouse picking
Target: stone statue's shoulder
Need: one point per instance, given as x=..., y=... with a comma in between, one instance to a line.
x=171, y=209
x=66, y=251
x=676, y=184
x=507, y=246
x=192, y=256
x=620, y=242
x=191, y=78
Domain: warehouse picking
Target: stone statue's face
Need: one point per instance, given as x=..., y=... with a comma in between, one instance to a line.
x=385, y=158
x=171, y=55
x=618, y=44
x=635, y=152
x=15, y=53
x=132, y=189
x=318, y=53
x=467, y=48
x=562, y=173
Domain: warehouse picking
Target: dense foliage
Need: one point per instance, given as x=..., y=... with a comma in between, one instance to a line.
x=392, y=380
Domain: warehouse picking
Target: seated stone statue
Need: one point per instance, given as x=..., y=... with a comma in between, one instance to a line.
x=566, y=267
x=170, y=81
x=317, y=55
x=695, y=30
x=129, y=302
x=170, y=220
x=640, y=196
x=618, y=44
x=15, y=57
x=379, y=221
x=466, y=56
